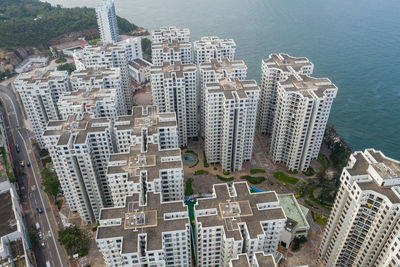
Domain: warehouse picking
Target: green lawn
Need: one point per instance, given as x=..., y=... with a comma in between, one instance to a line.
x=253, y=180
x=292, y=172
x=254, y=171
x=188, y=187
x=319, y=218
x=225, y=179
x=200, y=172
x=283, y=177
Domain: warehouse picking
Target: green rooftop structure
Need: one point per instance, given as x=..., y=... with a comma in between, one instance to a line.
x=296, y=224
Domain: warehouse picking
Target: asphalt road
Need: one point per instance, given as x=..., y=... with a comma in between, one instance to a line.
x=32, y=196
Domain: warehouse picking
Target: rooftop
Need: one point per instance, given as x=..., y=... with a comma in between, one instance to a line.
x=8, y=223
x=241, y=261
x=77, y=127
x=239, y=208
x=139, y=63
x=265, y=260
x=224, y=65
x=378, y=169
x=307, y=86
x=285, y=62
x=152, y=162
x=86, y=99
x=69, y=45
x=147, y=117
x=41, y=75
x=168, y=46
x=214, y=41
x=149, y=219
x=293, y=210
x=231, y=86
x=92, y=74
x=177, y=68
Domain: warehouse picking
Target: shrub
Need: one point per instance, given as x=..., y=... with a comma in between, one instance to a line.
x=59, y=203
x=225, y=172
x=315, y=200
x=309, y=172
x=283, y=177
x=253, y=180
x=215, y=168
x=61, y=60
x=200, y=172
x=254, y=171
x=284, y=184
x=205, y=163
x=82, y=252
x=297, y=196
x=227, y=179
x=188, y=187
x=319, y=218
x=292, y=172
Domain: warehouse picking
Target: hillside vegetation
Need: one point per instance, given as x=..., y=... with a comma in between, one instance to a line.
x=34, y=23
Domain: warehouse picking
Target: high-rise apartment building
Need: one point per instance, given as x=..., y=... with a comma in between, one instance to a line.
x=208, y=48
x=152, y=233
x=110, y=56
x=150, y=160
x=171, y=53
x=98, y=103
x=274, y=69
x=156, y=128
x=133, y=47
x=212, y=72
x=170, y=34
x=235, y=221
x=302, y=110
x=95, y=81
x=173, y=87
x=79, y=148
x=39, y=91
x=230, y=109
x=107, y=22
x=364, y=226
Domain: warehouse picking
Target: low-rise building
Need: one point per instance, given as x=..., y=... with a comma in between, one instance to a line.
x=296, y=224
x=31, y=63
x=145, y=232
x=140, y=70
x=68, y=48
x=235, y=221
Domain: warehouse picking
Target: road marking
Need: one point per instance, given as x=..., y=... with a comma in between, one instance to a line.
x=15, y=111
x=41, y=199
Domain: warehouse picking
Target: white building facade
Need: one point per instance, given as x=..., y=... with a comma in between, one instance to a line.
x=171, y=53
x=274, y=69
x=79, y=148
x=363, y=228
x=107, y=22
x=110, y=56
x=213, y=47
x=170, y=34
x=302, y=112
x=234, y=222
x=173, y=88
x=133, y=47
x=39, y=91
x=230, y=110
x=216, y=70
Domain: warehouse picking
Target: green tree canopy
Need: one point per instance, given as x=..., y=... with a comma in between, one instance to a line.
x=50, y=182
x=74, y=238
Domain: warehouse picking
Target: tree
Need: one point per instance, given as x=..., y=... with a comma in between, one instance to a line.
x=70, y=67
x=73, y=238
x=146, y=46
x=50, y=182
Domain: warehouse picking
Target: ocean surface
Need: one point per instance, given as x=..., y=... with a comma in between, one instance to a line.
x=354, y=43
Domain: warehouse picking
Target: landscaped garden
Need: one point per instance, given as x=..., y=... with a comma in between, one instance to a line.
x=283, y=177
x=253, y=180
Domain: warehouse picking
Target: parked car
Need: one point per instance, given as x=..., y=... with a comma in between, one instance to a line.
x=22, y=163
x=40, y=235
x=37, y=226
x=17, y=148
x=43, y=244
x=28, y=163
x=39, y=210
